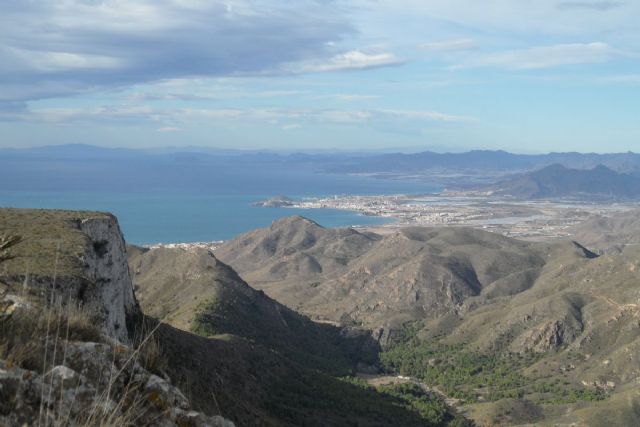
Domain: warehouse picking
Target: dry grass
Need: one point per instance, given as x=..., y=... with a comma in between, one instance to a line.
x=126, y=412
x=35, y=340
x=47, y=235
x=26, y=333
x=148, y=347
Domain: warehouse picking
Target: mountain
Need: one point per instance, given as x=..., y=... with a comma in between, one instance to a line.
x=212, y=300
x=71, y=352
x=559, y=181
x=604, y=233
x=483, y=160
x=77, y=349
x=347, y=276
x=278, y=363
x=81, y=167
x=541, y=333
x=569, y=345
x=510, y=332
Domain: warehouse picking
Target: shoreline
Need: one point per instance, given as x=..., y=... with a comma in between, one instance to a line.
x=522, y=219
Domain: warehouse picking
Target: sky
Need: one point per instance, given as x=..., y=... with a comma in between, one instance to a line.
x=444, y=75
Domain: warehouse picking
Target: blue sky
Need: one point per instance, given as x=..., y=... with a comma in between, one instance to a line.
x=446, y=75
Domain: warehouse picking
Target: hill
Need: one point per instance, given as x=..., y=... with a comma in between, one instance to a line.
x=483, y=160
x=558, y=181
x=193, y=291
x=366, y=279
x=75, y=348
x=521, y=332
x=517, y=333
x=72, y=351
x=283, y=366
x=609, y=233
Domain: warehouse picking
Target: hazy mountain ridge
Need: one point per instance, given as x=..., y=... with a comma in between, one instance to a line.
x=41, y=167
x=558, y=181
x=487, y=160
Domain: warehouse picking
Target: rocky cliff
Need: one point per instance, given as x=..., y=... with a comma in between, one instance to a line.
x=74, y=349
x=71, y=257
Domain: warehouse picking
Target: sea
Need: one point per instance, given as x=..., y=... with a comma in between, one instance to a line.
x=203, y=207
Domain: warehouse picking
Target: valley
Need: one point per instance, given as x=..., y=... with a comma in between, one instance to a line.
x=521, y=332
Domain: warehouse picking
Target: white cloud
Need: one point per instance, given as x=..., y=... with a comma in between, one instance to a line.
x=433, y=116
x=545, y=56
x=352, y=60
x=626, y=78
x=588, y=19
x=285, y=118
x=593, y=5
x=449, y=45
x=349, y=97
x=82, y=45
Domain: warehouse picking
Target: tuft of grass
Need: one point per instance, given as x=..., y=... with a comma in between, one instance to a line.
x=25, y=333
x=150, y=352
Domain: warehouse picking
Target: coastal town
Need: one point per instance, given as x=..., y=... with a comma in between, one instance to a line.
x=532, y=220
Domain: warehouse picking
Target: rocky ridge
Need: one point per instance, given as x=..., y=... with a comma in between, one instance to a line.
x=72, y=347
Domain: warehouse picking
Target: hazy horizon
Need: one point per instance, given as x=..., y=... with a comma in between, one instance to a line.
x=309, y=150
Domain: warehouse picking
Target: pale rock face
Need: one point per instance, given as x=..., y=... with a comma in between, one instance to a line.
x=111, y=299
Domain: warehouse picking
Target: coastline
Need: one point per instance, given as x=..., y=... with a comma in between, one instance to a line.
x=524, y=219
x=527, y=220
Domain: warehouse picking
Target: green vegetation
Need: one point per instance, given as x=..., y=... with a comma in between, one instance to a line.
x=351, y=401
x=558, y=392
x=474, y=376
x=429, y=407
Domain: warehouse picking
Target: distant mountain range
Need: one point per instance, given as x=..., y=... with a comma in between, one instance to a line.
x=486, y=160
x=90, y=168
x=347, y=162
x=560, y=181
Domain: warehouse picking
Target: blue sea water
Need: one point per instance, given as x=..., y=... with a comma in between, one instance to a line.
x=196, y=205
